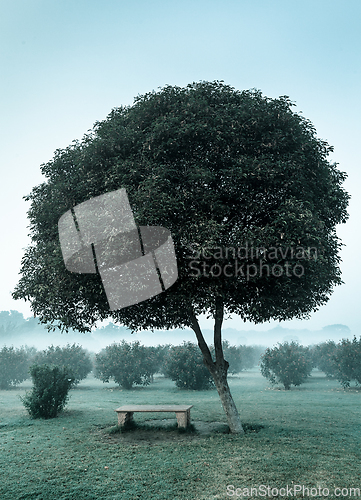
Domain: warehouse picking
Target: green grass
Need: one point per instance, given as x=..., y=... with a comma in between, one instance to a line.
x=309, y=436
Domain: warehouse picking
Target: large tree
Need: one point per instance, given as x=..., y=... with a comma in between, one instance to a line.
x=240, y=180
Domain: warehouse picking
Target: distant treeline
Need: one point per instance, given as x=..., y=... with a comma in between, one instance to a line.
x=13, y=322
x=126, y=363
x=131, y=363
x=291, y=363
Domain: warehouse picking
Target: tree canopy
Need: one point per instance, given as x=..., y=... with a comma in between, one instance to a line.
x=218, y=167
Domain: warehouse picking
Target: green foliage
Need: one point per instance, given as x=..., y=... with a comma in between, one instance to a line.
x=323, y=356
x=161, y=353
x=126, y=363
x=288, y=364
x=240, y=357
x=14, y=365
x=216, y=166
x=233, y=355
x=255, y=356
x=74, y=357
x=348, y=361
x=184, y=365
x=49, y=395
x=341, y=361
x=157, y=357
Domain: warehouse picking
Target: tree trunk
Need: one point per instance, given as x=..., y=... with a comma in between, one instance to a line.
x=219, y=367
x=228, y=404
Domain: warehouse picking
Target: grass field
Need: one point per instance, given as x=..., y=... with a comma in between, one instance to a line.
x=309, y=436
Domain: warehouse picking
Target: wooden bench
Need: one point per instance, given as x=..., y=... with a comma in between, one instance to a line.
x=183, y=412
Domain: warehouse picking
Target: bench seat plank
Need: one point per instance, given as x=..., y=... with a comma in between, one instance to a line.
x=154, y=408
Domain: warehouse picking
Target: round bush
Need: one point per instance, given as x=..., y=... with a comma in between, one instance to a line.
x=184, y=365
x=324, y=358
x=51, y=385
x=288, y=364
x=14, y=366
x=127, y=364
x=74, y=357
x=348, y=361
x=239, y=357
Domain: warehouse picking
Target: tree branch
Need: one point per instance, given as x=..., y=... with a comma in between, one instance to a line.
x=201, y=342
x=218, y=320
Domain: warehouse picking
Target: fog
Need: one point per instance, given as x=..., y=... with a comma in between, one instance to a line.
x=15, y=330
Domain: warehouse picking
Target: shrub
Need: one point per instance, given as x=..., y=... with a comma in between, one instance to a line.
x=288, y=364
x=184, y=365
x=348, y=361
x=14, y=366
x=127, y=364
x=156, y=358
x=74, y=357
x=233, y=355
x=239, y=357
x=323, y=356
x=160, y=353
x=49, y=395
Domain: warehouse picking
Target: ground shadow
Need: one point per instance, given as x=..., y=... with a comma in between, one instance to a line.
x=166, y=430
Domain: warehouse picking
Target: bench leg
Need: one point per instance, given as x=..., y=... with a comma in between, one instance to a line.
x=183, y=418
x=124, y=417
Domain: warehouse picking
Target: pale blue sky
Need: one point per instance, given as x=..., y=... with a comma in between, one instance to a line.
x=65, y=64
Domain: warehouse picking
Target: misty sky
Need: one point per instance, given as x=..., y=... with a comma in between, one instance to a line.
x=66, y=64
